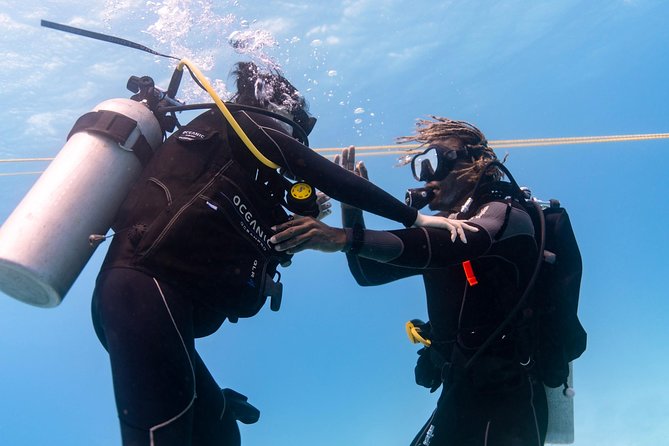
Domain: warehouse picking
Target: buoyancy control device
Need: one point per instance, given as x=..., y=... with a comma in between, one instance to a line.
x=200, y=216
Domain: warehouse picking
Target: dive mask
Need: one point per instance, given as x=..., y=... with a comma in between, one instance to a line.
x=304, y=120
x=435, y=163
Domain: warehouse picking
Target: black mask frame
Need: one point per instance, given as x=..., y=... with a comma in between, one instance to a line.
x=434, y=163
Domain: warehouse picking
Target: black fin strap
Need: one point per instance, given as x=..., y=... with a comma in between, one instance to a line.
x=118, y=127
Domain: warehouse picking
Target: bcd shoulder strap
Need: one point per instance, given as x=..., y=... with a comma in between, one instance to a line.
x=118, y=127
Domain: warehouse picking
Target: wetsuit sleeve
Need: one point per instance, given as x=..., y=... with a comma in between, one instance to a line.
x=369, y=272
x=423, y=247
x=432, y=248
x=338, y=183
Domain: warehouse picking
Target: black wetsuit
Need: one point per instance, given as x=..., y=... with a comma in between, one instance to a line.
x=496, y=401
x=147, y=318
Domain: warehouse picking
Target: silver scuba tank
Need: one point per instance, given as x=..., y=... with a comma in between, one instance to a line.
x=44, y=243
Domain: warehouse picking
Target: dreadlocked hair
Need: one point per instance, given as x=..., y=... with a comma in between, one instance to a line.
x=436, y=128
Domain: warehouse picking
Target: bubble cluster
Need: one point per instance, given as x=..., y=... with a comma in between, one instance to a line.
x=212, y=33
x=253, y=43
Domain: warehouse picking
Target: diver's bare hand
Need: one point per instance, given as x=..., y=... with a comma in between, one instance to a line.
x=324, y=205
x=307, y=233
x=347, y=161
x=457, y=227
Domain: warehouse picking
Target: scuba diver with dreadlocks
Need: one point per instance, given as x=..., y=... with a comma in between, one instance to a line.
x=191, y=250
x=488, y=396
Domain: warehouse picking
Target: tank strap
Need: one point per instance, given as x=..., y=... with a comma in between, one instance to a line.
x=120, y=128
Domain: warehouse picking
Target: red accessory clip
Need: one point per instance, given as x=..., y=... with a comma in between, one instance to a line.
x=469, y=272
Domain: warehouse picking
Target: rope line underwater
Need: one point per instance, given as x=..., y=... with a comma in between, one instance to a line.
x=409, y=149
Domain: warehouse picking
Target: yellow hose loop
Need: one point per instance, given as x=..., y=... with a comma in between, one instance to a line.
x=228, y=116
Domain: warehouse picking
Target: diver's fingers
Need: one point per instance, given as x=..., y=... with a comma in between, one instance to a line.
x=344, y=159
x=361, y=170
x=458, y=233
x=468, y=226
x=461, y=227
x=348, y=158
x=324, y=209
x=321, y=197
x=289, y=229
x=293, y=245
x=324, y=213
x=296, y=238
x=457, y=228
x=337, y=159
x=324, y=205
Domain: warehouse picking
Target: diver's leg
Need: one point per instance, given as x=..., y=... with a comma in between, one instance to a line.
x=147, y=330
x=518, y=418
x=460, y=418
x=440, y=428
x=213, y=425
x=420, y=437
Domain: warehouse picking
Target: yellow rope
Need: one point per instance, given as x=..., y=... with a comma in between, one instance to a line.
x=24, y=160
x=407, y=149
x=16, y=174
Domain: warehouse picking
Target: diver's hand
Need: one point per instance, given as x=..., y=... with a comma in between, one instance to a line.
x=351, y=214
x=324, y=205
x=457, y=227
x=307, y=233
x=347, y=161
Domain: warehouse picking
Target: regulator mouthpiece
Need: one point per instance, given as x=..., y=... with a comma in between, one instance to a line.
x=419, y=197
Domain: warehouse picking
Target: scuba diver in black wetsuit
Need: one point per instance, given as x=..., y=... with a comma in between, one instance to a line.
x=489, y=395
x=191, y=249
